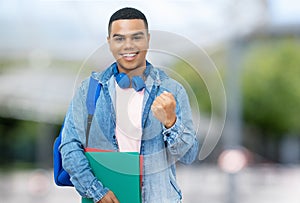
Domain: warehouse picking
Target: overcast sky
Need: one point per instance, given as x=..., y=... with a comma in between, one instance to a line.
x=62, y=26
x=44, y=30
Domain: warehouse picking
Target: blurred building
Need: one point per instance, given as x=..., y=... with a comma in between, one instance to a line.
x=44, y=44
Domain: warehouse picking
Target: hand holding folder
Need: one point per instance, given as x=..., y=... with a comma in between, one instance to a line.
x=118, y=171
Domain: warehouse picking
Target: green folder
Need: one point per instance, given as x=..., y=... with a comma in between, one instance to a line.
x=119, y=171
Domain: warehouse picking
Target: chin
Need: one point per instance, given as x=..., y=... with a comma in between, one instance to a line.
x=130, y=65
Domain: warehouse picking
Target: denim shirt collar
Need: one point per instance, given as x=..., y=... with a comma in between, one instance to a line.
x=153, y=81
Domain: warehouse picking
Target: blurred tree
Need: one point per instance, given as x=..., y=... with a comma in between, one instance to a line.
x=271, y=86
x=26, y=144
x=17, y=142
x=195, y=83
x=6, y=140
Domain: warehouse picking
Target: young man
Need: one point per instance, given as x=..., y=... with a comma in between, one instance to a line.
x=147, y=112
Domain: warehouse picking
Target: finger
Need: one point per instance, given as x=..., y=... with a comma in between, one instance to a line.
x=166, y=93
x=167, y=96
x=159, y=99
x=165, y=102
x=158, y=103
x=156, y=109
x=153, y=107
x=108, y=198
x=114, y=198
x=155, y=102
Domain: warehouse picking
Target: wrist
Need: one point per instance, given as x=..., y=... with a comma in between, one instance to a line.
x=170, y=123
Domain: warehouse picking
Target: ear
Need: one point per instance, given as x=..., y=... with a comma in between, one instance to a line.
x=109, y=41
x=148, y=39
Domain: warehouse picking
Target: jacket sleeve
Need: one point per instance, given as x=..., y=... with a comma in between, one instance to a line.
x=181, y=139
x=71, y=148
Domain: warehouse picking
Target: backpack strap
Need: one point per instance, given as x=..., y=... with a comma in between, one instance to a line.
x=91, y=100
x=61, y=177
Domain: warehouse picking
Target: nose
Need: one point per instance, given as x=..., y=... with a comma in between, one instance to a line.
x=128, y=45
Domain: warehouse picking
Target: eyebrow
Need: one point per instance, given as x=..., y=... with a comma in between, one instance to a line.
x=138, y=33
x=118, y=35
x=134, y=34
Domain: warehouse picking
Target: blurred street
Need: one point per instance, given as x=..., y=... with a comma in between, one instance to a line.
x=266, y=184
x=238, y=60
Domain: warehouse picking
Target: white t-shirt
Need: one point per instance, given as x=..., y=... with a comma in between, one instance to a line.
x=129, y=119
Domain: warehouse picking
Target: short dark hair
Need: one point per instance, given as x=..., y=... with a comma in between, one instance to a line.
x=127, y=13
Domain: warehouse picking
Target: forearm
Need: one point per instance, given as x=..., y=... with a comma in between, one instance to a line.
x=180, y=138
x=82, y=177
x=181, y=142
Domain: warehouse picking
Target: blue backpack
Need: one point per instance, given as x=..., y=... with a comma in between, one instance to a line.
x=61, y=177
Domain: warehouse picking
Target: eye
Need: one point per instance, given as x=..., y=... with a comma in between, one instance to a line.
x=137, y=37
x=119, y=39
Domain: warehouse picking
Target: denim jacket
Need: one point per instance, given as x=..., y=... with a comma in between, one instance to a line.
x=160, y=147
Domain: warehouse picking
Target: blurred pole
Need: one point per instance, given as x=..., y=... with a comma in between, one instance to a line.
x=232, y=161
x=232, y=137
x=231, y=188
x=44, y=146
x=233, y=127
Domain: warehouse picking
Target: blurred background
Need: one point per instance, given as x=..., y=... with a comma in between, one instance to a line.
x=254, y=44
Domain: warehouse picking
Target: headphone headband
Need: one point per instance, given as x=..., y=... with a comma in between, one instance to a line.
x=137, y=82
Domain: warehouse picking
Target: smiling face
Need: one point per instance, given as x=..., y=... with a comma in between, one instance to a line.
x=128, y=41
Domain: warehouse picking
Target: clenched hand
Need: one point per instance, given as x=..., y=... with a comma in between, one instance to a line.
x=163, y=108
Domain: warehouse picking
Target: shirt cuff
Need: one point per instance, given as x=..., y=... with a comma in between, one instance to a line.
x=171, y=134
x=97, y=191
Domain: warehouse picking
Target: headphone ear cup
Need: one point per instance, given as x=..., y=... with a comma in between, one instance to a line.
x=123, y=80
x=137, y=83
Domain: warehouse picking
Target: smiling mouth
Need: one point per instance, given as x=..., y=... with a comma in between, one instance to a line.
x=129, y=55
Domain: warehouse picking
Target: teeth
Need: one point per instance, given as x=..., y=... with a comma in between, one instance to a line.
x=129, y=55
